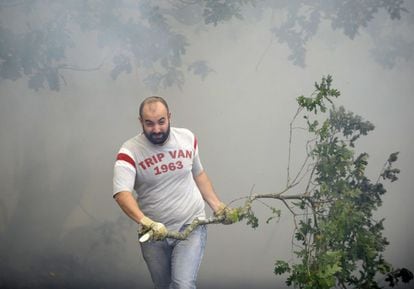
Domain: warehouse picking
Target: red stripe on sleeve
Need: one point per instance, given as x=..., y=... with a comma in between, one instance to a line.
x=126, y=158
x=195, y=142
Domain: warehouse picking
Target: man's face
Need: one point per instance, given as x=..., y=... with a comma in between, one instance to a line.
x=155, y=122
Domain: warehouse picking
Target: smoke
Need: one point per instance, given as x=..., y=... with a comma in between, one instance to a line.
x=64, y=117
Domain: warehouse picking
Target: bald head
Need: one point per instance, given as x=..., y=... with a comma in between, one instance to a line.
x=151, y=100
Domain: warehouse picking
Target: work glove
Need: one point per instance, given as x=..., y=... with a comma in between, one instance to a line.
x=228, y=214
x=157, y=230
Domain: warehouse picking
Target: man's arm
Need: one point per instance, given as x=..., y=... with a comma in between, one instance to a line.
x=220, y=209
x=129, y=205
x=207, y=191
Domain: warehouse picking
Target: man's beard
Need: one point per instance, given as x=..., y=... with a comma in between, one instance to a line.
x=158, y=138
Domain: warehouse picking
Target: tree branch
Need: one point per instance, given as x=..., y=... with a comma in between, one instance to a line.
x=77, y=68
x=243, y=212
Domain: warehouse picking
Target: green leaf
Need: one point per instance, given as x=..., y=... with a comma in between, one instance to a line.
x=281, y=267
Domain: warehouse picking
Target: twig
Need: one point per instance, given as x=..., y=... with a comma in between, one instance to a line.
x=77, y=68
x=382, y=171
x=268, y=46
x=290, y=145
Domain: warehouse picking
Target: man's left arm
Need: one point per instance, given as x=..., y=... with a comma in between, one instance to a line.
x=207, y=191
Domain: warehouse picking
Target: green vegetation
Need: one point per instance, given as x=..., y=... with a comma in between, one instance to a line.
x=339, y=242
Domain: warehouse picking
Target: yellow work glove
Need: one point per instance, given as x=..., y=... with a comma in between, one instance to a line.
x=158, y=230
x=229, y=215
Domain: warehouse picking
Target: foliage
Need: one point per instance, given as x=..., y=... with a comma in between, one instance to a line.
x=304, y=18
x=143, y=35
x=339, y=240
x=221, y=11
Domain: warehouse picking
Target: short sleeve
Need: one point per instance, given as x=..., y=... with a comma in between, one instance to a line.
x=124, y=172
x=197, y=166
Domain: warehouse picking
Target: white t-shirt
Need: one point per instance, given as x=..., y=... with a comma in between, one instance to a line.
x=162, y=177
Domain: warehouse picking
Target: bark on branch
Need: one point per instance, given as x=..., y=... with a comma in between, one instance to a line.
x=242, y=212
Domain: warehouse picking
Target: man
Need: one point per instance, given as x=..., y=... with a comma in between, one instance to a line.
x=163, y=167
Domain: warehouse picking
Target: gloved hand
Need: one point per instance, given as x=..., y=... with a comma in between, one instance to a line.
x=158, y=230
x=230, y=215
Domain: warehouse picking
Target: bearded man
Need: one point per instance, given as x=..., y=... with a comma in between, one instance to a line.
x=162, y=166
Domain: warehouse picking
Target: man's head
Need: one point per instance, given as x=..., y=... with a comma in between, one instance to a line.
x=155, y=116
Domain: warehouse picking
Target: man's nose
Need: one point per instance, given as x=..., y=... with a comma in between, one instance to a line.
x=157, y=128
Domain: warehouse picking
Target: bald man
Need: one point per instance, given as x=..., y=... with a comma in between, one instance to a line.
x=162, y=166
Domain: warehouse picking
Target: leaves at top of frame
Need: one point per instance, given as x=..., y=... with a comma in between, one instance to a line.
x=122, y=64
x=221, y=11
x=200, y=68
x=143, y=31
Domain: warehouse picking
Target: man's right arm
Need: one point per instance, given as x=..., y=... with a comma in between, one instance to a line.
x=129, y=205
